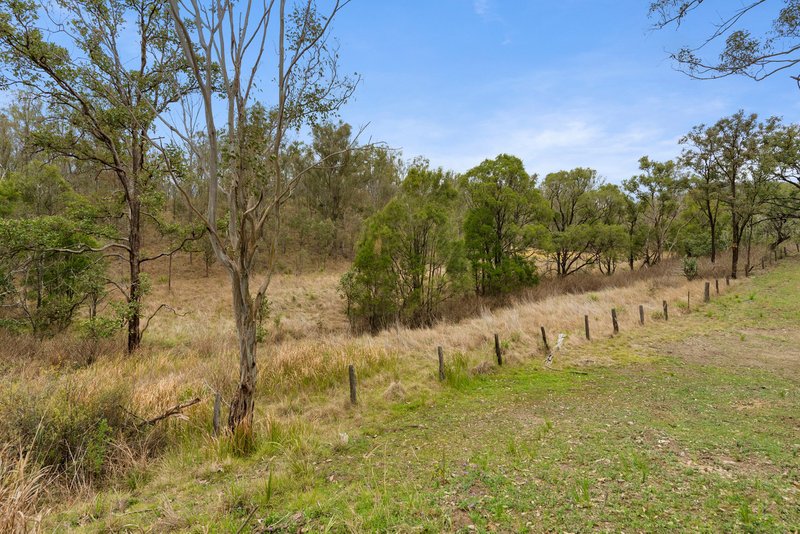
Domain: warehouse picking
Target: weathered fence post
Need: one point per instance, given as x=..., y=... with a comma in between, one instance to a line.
x=497, y=350
x=775, y=253
x=762, y=263
x=441, y=362
x=586, y=327
x=351, y=371
x=544, y=340
x=727, y=280
x=217, y=410
x=614, y=322
x=716, y=284
x=641, y=314
x=666, y=310
x=707, y=292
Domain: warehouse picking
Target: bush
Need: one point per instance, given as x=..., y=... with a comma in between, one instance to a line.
x=690, y=268
x=409, y=259
x=74, y=432
x=41, y=286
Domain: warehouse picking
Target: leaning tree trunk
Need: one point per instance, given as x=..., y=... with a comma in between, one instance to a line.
x=240, y=417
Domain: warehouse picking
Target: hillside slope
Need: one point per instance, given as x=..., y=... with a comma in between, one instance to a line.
x=690, y=424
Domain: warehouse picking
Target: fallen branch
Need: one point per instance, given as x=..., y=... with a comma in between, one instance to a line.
x=174, y=411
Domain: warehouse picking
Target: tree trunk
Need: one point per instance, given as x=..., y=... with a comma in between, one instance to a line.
x=713, y=226
x=240, y=417
x=735, y=230
x=135, y=295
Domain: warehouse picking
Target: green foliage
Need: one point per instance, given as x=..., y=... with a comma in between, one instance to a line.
x=9, y=195
x=690, y=268
x=659, y=193
x=71, y=431
x=41, y=282
x=503, y=225
x=410, y=258
x=100, y=327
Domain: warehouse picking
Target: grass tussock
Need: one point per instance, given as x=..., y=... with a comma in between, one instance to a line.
x=22, y=486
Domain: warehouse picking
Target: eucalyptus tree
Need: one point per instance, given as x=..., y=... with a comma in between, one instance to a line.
x=659, y=191
x=229, y=46
x=569, y=196
x=410, y=258
x=610, y=237
x=348, y=187
x=734, y=146
x=781, y=159
x=706, y=182
x=747, y=49
x=103, y=96
x=504, y=224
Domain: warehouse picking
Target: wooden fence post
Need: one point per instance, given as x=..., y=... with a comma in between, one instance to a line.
x=727, y=280
x=544, y=340
x=217, y=410
x=666, y=310
x=716, y=284
x=441, y=362
x=707, y=292
x=497, y=350
x=614, y=322
x=688, y=300
x=351, y=371
x=641, y=314
x=762, y=263
x=586, y=327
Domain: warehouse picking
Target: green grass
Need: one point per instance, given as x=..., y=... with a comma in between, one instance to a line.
x=695, y=428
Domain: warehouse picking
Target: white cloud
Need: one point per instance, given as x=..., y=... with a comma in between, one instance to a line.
x=481, y=7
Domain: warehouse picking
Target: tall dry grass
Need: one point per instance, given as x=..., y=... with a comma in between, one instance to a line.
x=22, y=485
x=302, y=377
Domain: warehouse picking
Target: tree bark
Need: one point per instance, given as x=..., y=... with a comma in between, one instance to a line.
x=135, y=293
x=713, y=227
x=242, y=406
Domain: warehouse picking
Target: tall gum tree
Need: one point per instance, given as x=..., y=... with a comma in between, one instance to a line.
x=234, y=49
x=659, y=191
x=77, y=60
x=734, y=147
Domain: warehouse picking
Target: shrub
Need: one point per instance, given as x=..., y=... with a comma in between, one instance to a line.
x=690, y=268
x=40, y=285
x=409, y=259
x=72, y=430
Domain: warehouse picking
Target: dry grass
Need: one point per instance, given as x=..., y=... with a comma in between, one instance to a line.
x=302, y=376
x=22, y=484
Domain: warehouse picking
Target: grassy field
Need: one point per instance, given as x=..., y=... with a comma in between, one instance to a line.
x=690, y=424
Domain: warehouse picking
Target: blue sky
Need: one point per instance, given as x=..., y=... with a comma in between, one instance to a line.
x=559, y=84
